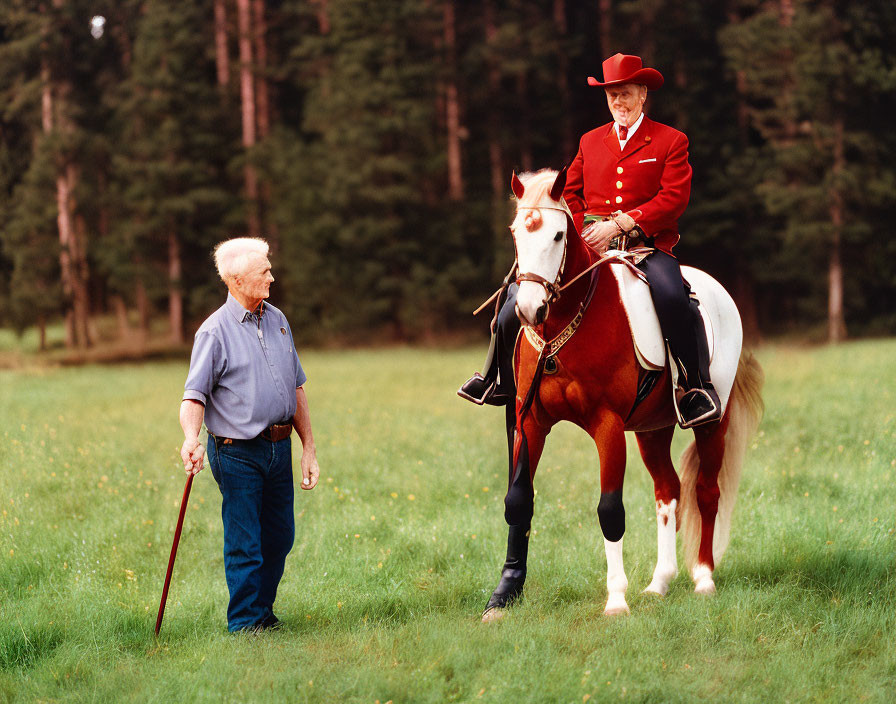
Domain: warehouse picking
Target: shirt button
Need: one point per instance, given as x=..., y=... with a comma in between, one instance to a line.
x=618, y=199
x=618, y=169
x=619, y=184
x=608, y=202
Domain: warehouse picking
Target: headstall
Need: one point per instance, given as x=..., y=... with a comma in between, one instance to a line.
x=552, y=288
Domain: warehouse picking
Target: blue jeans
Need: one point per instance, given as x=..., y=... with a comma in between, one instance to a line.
x=255, y=479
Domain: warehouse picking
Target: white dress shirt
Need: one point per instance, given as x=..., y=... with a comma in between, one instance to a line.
x=631, y=130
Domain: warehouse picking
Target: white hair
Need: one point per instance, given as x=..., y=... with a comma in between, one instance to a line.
x=232, y=256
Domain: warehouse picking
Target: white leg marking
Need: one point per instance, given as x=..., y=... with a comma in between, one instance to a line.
x=703, y=583
x=617, y=582
x=666, y=559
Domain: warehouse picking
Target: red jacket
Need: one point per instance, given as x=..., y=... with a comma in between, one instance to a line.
x=650, y=180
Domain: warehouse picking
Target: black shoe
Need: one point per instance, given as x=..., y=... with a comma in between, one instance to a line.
x=271, y=623
x=480, y=390
x=699, y=406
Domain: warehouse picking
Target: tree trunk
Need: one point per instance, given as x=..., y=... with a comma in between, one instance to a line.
x=87, y=329
x=836, y=318
x=247, y=96
x=452, y=107
x=142, y=311
x=222, y=57
x=263, y=115
x=72, y=257
x=568, y=138
x=495, y=149
x=524, y=134
x=121, y=316
x=323, y=15
x=66, y=268
x=604, y=27
x=745, y=286
x=744, y=295
x=41, y=333
x=262, y=99
x=175, y=291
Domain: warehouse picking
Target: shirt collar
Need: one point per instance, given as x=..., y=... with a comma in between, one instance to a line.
x=633, y=128
x=239, y=313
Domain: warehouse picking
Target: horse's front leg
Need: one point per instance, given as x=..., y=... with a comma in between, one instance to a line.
x=519, y=506
x=609, y=437
x=654, y=446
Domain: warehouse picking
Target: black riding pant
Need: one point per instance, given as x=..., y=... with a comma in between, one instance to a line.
x=679, y=316
x=507, y=328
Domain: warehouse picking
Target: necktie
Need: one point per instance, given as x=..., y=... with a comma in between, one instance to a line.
x=623, y=133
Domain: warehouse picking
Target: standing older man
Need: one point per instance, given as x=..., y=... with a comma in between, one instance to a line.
x=245, y=381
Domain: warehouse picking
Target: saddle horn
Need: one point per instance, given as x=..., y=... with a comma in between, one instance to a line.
x=559, y=184
x=517, y=186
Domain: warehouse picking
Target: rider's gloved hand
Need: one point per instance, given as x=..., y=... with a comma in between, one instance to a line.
x=598, y=234
x=625, y=221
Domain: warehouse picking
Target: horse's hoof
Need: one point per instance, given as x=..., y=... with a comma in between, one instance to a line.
x=616, y=606
x=656, y=590
x=705, y=587
x=493, y=614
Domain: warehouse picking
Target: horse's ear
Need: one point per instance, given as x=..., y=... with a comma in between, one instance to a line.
x=559, y=184
x=517, y=186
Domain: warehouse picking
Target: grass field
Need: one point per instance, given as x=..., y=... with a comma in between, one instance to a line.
x=400, y=546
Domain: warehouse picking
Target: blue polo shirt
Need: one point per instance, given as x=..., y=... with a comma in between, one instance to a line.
x=245, y=370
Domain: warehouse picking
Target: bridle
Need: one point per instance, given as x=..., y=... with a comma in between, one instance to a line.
x=552, y=288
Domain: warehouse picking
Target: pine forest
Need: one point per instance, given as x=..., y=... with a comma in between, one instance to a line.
x=372, y=144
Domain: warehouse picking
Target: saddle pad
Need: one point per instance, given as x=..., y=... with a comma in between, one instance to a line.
x=650, y=348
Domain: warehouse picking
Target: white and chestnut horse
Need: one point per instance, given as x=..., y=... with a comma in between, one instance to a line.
x=576, y=359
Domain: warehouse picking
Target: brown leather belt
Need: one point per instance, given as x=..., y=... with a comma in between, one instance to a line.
x=273, y=433
x=276, y=433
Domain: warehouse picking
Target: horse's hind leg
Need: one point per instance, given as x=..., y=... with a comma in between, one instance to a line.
x=610, y=439
x=710, y=442
x=655, y=446
x=519, y=506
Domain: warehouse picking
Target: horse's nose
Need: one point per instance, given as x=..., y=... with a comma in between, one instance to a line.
x=541, y=314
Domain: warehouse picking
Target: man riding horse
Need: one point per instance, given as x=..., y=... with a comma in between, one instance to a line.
x=628, y=184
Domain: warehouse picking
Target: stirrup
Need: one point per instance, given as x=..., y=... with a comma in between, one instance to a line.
x=476, y=389
x=708, y=416
x=481, y=390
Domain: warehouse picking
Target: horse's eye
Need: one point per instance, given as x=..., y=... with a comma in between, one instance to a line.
x=558, y=236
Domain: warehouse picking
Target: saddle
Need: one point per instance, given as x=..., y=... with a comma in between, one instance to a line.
x=650, y=347
x=720, y=321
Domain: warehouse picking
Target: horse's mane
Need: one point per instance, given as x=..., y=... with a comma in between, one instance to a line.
x=538, y=185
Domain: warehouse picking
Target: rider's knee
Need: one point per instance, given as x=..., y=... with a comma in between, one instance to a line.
x=611, y=514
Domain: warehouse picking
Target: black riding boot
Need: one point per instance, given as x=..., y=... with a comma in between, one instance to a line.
x=495, y=384
x=700, y=403
x=682, y=327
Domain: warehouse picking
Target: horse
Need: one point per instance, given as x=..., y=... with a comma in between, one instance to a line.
x=575, y=360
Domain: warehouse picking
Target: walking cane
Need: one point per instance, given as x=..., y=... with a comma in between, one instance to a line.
x=180, y=525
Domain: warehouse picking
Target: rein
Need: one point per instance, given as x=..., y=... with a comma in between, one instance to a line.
x=548, y=350
x=620, y=256
x=554, y=290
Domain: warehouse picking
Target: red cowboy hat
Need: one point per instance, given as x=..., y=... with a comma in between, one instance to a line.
x=623, y=68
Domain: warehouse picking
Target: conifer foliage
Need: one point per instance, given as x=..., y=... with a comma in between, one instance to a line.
x=372, y=142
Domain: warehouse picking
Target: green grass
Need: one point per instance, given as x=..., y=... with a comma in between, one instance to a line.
x=400, y=546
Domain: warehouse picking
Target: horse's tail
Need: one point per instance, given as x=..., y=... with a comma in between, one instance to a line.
x=745, y=408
